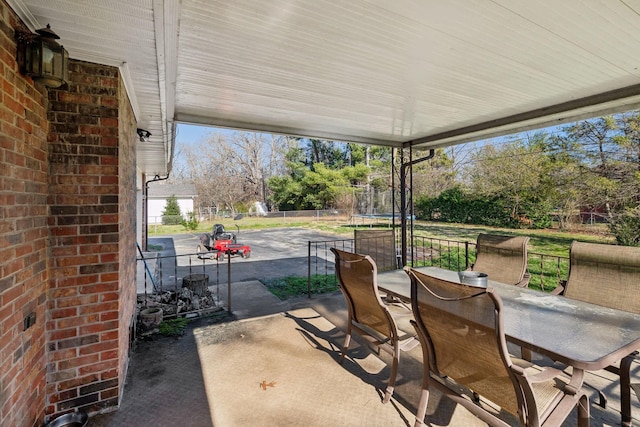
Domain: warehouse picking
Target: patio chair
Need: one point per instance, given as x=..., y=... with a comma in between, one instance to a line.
x=380, y=245
x=368, y=315
x=465, y=356
x=503, y=258
x=636, y=388
x=607, y=275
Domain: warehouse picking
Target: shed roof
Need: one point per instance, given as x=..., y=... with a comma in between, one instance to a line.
x=181, y=191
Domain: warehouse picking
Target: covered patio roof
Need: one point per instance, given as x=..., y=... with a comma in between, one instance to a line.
x=391, y=72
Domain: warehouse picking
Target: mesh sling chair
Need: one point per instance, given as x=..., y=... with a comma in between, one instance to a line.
x=636, y=388
x=465, y=356
x=503, y=258
x=380, y=245
x=368, y=315
x=607, y=275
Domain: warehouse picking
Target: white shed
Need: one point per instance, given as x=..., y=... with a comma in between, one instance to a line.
x=158, y=194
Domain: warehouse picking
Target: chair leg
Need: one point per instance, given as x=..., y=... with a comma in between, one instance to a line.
x=625, y=390
x=345, y=346
x=422, y=406
x=392, y=377
x=583, y=411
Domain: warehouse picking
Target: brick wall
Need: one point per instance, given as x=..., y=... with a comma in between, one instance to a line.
x=127, y=221
x=67, y=238
x=23, y=236
x=91, y=192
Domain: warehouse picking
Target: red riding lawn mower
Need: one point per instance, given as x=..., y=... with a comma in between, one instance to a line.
x=219, y=243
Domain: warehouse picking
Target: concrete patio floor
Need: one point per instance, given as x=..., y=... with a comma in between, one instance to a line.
x=169, y=381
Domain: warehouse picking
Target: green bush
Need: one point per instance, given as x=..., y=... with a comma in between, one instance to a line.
x=171, y=214
x=192, y=223
x=626, y=227
x=454, y=205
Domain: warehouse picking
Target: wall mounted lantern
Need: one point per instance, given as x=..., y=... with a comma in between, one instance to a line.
x=42, y=58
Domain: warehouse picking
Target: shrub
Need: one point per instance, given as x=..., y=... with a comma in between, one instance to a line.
x=192, y=223
x=171, y=214
x=454, y=205
x=626, y=227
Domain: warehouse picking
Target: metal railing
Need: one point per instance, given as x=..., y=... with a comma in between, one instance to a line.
x=546, y=271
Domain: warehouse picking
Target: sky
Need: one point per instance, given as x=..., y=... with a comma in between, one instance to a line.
x=186, y=134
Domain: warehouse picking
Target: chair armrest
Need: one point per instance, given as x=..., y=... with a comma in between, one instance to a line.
x=544, y=375
x=391, y=300
x=548, y=373
x=559, y=290
x=524, y=283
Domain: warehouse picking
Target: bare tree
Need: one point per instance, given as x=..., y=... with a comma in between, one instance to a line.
x=230, y=170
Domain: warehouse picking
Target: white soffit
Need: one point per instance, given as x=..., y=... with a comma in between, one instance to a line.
x=427, y=72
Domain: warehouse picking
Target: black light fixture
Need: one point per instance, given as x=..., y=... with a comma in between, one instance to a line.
x=42, y=58
x=143, y=134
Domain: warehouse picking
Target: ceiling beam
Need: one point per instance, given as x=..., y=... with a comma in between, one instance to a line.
x=280, y=130
x=611, y=102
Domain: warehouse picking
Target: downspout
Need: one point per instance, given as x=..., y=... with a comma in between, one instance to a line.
x=403, y=198
x=169, y=130
x=145, y=214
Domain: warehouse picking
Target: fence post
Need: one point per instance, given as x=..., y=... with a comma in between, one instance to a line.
x=229, y=283
x=466, y=255
x=309, y=268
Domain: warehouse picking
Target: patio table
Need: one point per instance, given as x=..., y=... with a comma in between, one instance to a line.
x=576, y=333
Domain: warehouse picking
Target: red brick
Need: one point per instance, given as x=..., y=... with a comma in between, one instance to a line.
x=97, y=327
x=76, y=302
x=77, y=260
x=60, y=334
x=11, y=294
x=109, y=315
x=109, y=374
x=99, y=347
x=106, y=394
x=64, y=313
x=109, y=122
x=99, y=288
x=98, y=367
x=107, y=256
x=60, y=293
x=108, y=336
x=107, y=296
x=79, y=381
x=110, y=277
x=79, y=361
x=108, y=355
x=69, y=353
x=77, y=321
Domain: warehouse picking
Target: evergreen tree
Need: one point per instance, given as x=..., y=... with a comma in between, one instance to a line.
x=171, y=214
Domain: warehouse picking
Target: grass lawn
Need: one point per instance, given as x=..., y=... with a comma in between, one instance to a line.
x=544, y=245
x=549, y=241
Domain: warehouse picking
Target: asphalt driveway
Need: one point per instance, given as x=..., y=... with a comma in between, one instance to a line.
x=275, y=253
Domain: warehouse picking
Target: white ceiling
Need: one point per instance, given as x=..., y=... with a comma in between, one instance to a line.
x=426, y=72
